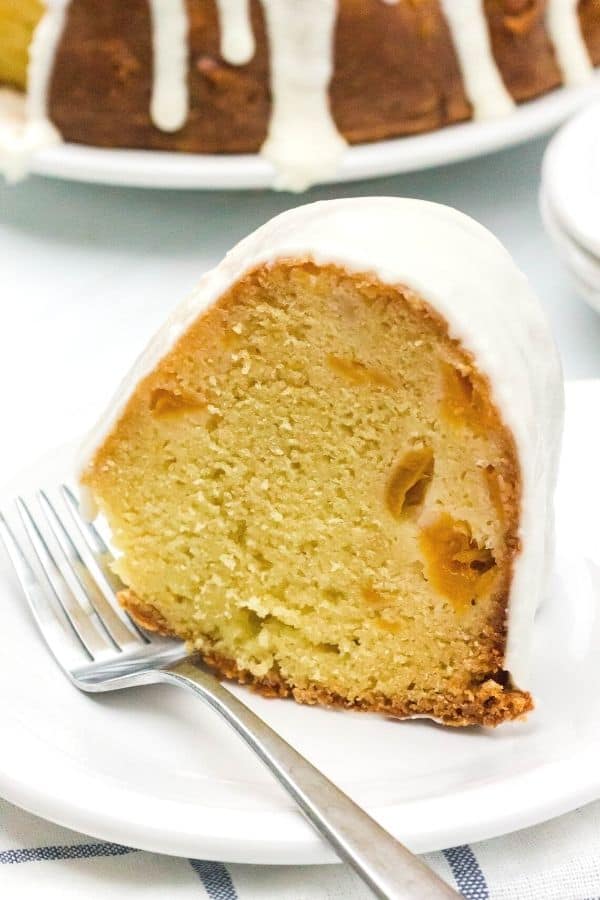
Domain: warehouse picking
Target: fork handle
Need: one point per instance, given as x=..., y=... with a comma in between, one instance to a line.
x=388, y=868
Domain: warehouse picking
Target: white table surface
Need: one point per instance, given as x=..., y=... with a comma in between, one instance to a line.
x=88, y=273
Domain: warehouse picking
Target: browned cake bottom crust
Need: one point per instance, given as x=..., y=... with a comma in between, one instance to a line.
x=490, y=704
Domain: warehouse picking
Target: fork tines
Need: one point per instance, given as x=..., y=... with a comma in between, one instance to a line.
x=63, y=566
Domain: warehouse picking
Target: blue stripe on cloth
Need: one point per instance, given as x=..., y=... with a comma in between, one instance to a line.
x=469, y=878
x=215, y=878
x=68, y=851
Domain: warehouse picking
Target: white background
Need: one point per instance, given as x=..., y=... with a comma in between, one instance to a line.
x=87, y=273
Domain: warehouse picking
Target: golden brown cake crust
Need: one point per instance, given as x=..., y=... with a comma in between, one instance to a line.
x=490, y=704
x=396, y=72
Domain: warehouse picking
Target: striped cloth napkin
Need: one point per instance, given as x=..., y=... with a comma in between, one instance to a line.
x=556, y=861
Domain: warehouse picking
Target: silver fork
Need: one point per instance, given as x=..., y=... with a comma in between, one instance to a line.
x=64, y=569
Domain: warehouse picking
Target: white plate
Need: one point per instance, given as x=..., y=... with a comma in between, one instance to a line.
x=583, y=266
x=154, y=769
x=142, y=168
x=571, y=176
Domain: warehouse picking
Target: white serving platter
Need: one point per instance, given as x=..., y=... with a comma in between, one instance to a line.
x=152, y=169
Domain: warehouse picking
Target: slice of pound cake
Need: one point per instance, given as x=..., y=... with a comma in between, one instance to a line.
x=332, y=471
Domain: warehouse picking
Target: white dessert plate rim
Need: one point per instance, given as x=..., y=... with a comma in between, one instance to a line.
x=152, y=169
x=222, y=806
x=571, y=177
x=583, y=267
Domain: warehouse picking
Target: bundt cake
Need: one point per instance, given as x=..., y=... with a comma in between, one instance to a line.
x=332, y=471
x=296, y=79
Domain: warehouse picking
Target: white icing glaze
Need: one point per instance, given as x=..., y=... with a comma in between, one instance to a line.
x=41, y=58
x=170, y=96
x=19, y=140
x=562, y=20
x=483, y=82
x=14, y=151
x=237, y=37
x=303, y=142
x=464, y=273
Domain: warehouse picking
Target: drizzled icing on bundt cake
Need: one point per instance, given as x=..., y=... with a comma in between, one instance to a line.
x=303, y=141
x=563, y=25
x=483, y=81
x=170, y=101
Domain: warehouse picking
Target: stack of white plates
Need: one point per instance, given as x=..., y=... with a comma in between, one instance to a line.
x=570, y=200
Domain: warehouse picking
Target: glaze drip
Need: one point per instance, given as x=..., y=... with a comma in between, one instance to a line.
x=41, y=59
x=237, y=38
x=169, y=105
x=562, y=20
x=303, y=142
x=483, y=83
x=22, y=135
